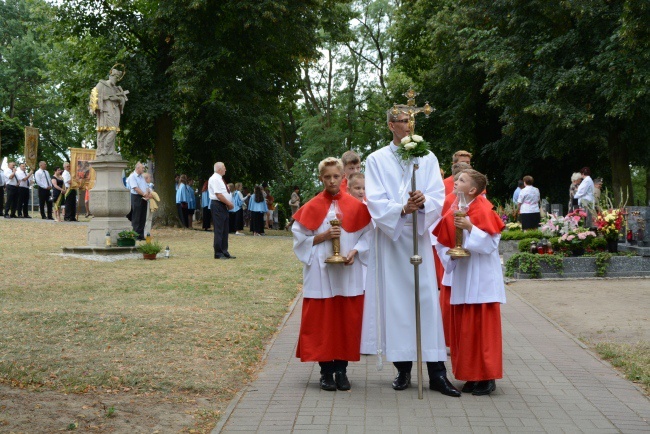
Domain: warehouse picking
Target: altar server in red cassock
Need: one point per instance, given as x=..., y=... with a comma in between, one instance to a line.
x=444, y=280
x=477, y=288
x=332, y=312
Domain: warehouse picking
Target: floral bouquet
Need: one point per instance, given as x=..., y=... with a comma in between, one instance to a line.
x=609, y=224
x=413, y=146
x=513, y=226
x=552, y=226
x=576, y=239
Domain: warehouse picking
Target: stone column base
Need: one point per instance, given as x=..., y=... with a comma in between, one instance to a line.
x=99, y=225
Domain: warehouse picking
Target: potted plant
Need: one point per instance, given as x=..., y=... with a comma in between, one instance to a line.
x=609, y=223
x=126, y=238
x=150, y=250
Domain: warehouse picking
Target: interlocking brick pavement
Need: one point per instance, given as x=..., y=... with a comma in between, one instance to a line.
x=551, y=383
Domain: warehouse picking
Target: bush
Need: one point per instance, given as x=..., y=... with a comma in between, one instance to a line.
x=520, y=235
x=150, y=248
x=598, y=244
x=128, y=234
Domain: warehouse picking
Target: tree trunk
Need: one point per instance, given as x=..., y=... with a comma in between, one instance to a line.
x=647, y=186
x=620, y=163
x=164, y=160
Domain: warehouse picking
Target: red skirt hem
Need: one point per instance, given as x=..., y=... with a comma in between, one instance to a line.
x=330, y=329
x=476, y=344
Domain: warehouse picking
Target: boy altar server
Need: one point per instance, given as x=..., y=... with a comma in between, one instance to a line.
x=332, y=310
x=477, y=287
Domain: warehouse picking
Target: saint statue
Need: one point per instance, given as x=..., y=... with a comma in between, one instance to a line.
x=107, y=101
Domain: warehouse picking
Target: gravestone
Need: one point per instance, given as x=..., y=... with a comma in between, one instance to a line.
x=638, y=219
x=556, y=209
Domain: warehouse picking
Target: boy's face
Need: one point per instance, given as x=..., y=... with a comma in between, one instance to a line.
x=358, y=189
x=351, y=168
x=465, y=185
x=331, y=179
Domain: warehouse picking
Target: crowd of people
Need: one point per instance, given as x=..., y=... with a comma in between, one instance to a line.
x=366, y=305
x=56, y=199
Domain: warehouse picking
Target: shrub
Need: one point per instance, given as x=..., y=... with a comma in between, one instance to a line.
x=150, y=248
x=598, y=244
x=128, y=234
x=524, y=245
x=520, y=235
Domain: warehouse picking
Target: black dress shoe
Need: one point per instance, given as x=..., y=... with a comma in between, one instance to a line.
x=402, y=381
x=342, y=382
x=484, y=387
x=468, y=387
x=327, y=382
x=442, y=384
x=230, y=257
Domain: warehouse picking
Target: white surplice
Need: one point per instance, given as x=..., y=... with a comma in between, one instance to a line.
x=321, y=280
x=478, y=278
x=388, y=181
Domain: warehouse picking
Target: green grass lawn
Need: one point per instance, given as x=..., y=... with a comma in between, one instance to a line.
x=188, y=325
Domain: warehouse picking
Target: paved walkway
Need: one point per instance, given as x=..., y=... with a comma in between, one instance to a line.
x=552, y=384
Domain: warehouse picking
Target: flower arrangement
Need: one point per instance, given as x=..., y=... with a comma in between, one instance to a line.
x=512, y=226
x=577, y=239
x=508, y=213
x=609, y=223
x=413, y=146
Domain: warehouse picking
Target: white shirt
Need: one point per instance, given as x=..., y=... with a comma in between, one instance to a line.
x=22, y=177
x=529, y=200
x=216, y=185
x=43, y=179
x=585, y=191
x=388, y=181
x=66, y=179
x=134, y=180
x=3, y=180
x=10, y=181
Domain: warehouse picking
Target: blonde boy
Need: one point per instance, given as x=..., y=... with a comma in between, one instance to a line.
x=357, y=186
x=477, y=288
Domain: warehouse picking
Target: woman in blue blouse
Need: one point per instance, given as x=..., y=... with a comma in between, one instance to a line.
x=183, y=200
x=258, y=209
x=205, y=206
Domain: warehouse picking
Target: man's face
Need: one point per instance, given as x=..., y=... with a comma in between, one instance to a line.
x=399, y=127
x=464, y=159
x=22, y=167
x=42, y=165
x=12, y=165
x=139, y=169
x=222, y=171
x=66, y=166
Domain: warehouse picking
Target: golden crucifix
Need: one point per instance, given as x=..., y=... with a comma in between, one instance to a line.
x=411, y=110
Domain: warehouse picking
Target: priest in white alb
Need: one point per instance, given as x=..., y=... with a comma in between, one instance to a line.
x=391, y=202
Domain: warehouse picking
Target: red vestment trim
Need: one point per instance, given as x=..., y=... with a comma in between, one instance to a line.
x=449, y=184
x=330, y=329
x=312, y=214
x=480, y=214
x=476, y=342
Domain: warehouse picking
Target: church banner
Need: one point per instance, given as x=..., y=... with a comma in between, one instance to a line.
x=83, y=175
x=31, y=147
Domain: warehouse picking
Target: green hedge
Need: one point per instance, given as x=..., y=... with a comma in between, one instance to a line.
x=520, y=235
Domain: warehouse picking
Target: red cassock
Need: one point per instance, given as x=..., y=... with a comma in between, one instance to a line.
x=445, y=291
x=475, y=329
x=344, y=185
x=330, y=328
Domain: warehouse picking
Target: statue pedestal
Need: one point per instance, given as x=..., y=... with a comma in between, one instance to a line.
x=110, y=202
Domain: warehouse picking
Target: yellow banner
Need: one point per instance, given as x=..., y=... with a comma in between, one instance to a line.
x=31, y=147
x=83, y=176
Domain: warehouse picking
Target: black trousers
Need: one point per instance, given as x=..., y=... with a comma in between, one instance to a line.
x=2, y=198
x=333, y=366
x=220, y=220
x=45, y=200
x=433, y=368
x=71, y=206
x=12, y=200
x=139, y=216
x=207, y=218
x=23, y=201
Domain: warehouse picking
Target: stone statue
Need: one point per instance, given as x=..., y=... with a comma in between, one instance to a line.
x=107, y=101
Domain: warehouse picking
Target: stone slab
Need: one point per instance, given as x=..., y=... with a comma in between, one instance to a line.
x=98, y=226
x=580, y=267
x=104, y=251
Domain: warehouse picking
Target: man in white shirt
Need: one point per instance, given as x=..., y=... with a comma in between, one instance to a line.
x=24, y=179
x=3, y=182
x=220, y=203
x=44, y=182
x=12, y=191
x=71, y=195
x=585, y=195
x=140, y=195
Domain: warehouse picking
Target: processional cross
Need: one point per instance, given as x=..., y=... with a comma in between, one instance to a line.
x=416, y=259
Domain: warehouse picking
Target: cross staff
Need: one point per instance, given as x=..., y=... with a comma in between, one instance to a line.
x=416, y=259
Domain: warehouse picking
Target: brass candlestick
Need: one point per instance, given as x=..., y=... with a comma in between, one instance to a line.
x=459, y=251
x=336, y=258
